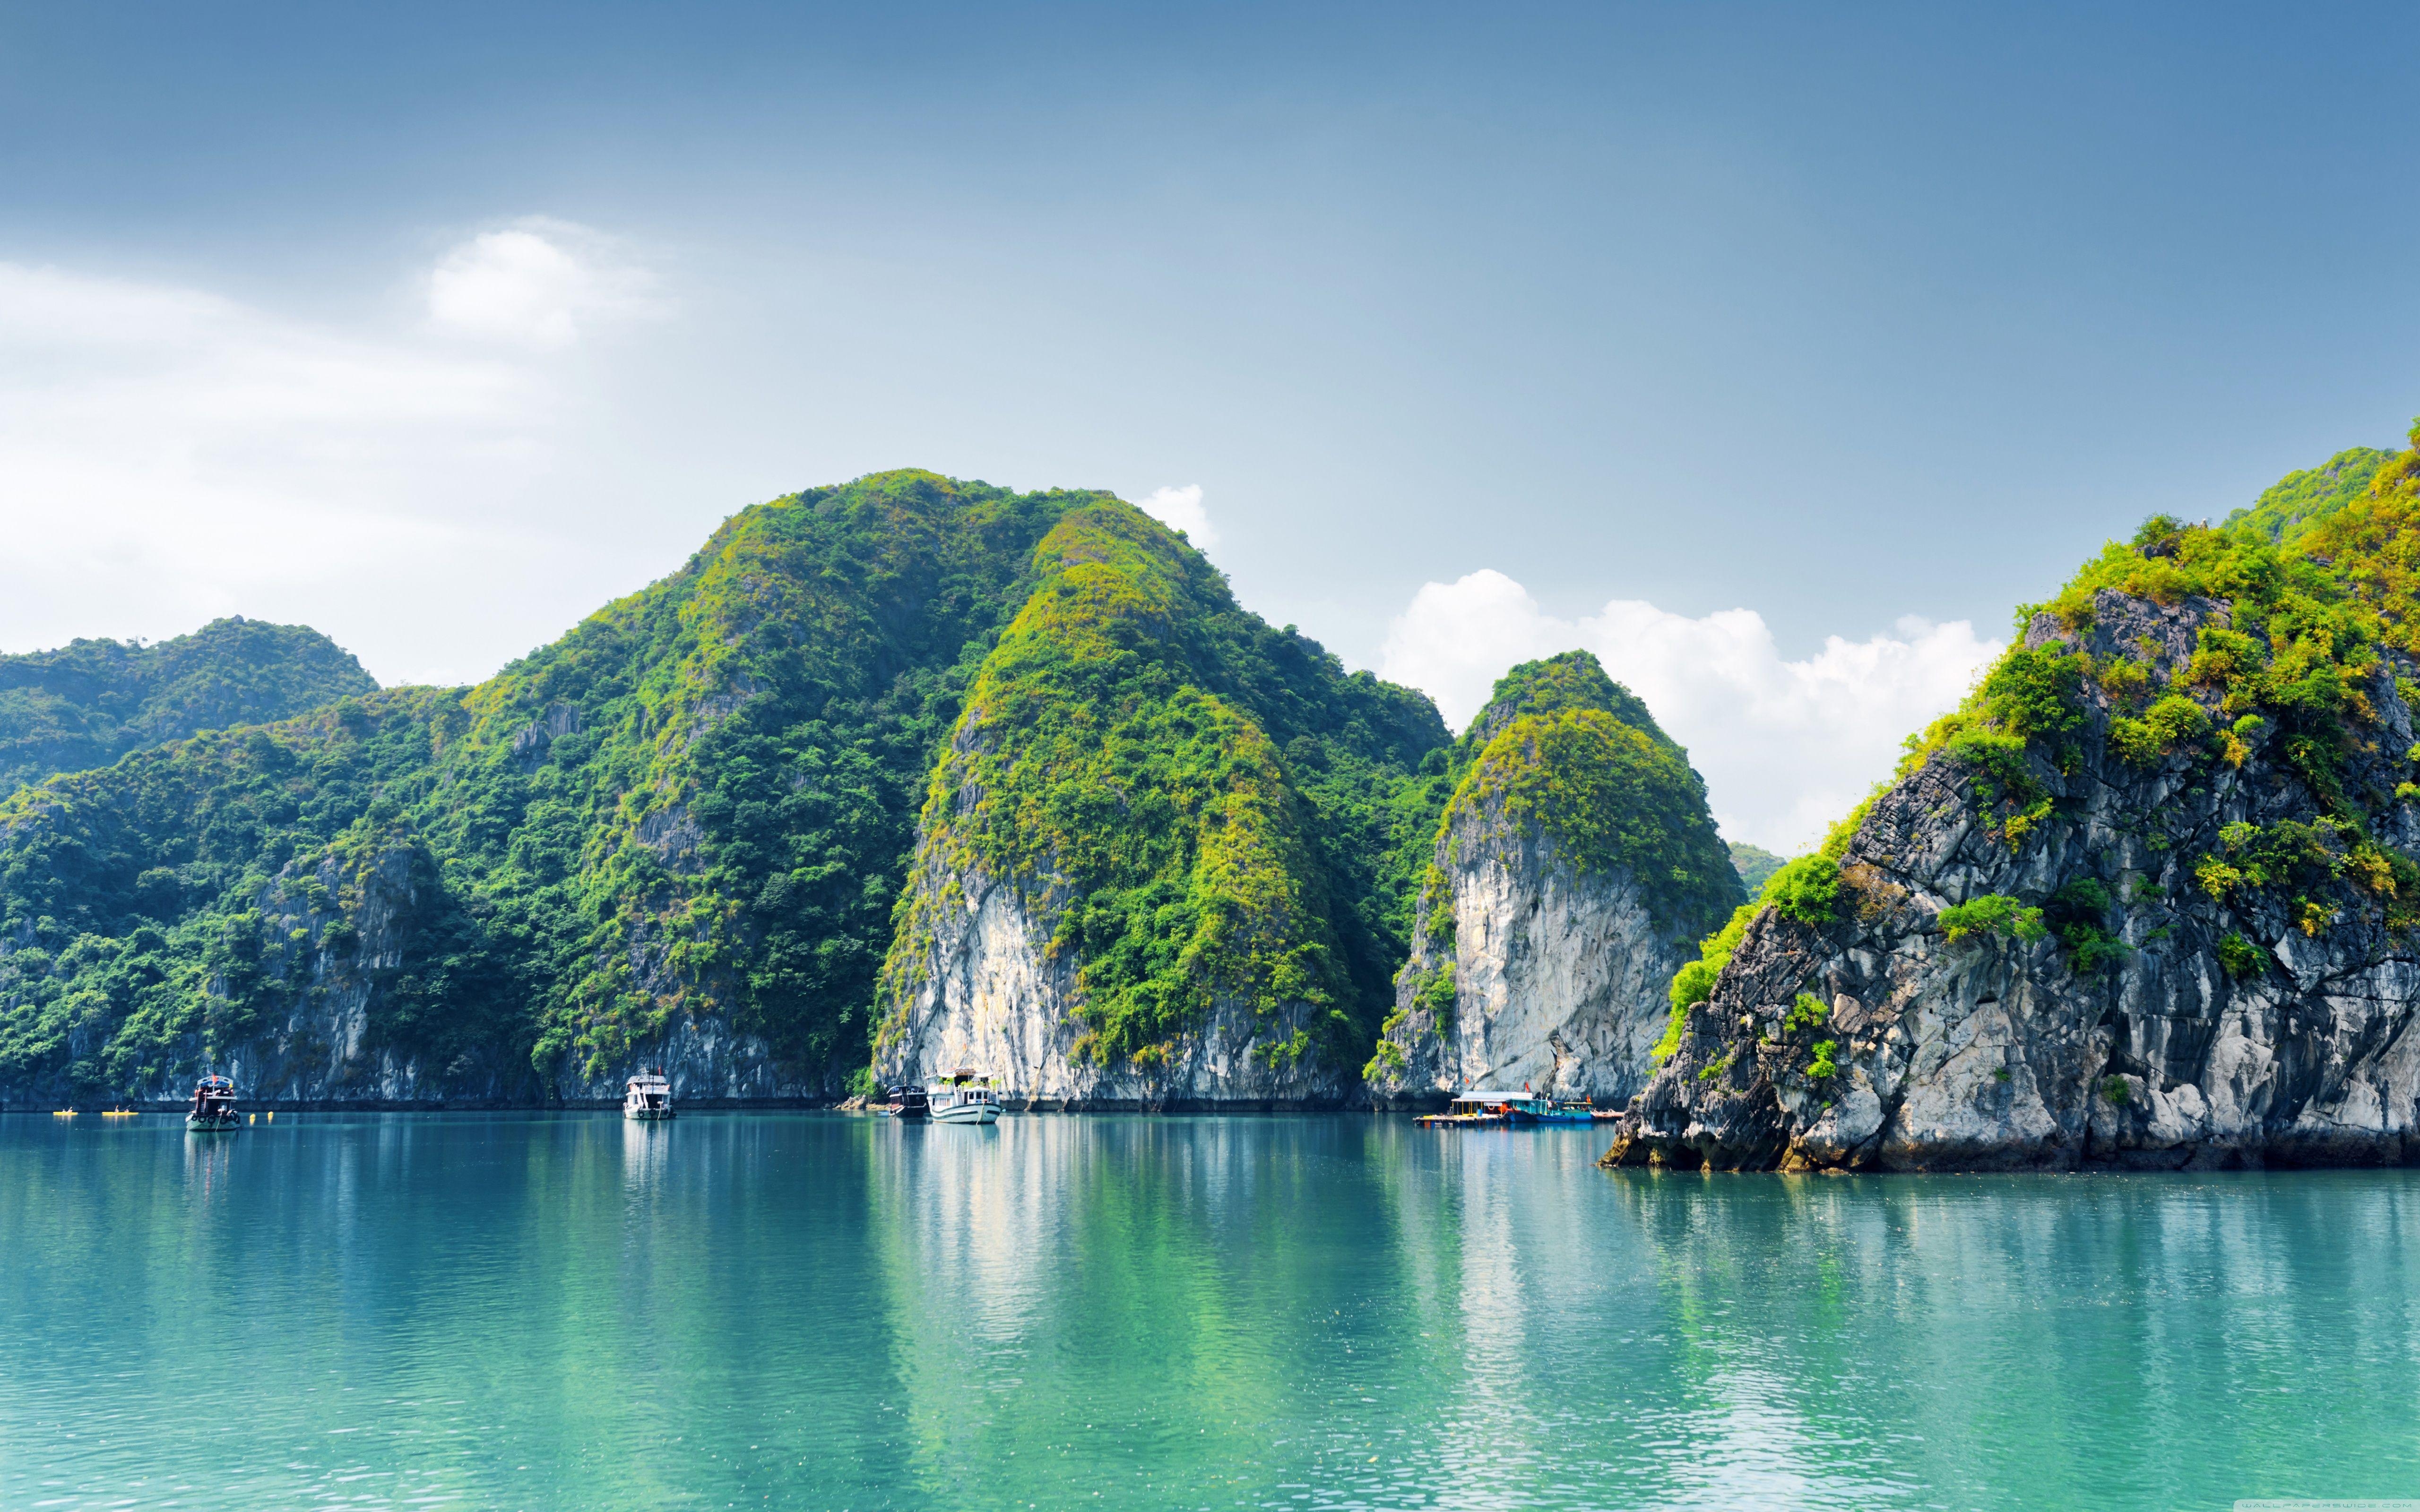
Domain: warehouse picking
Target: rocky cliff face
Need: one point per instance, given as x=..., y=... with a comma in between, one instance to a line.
x=2190, y=956
x=1544, y=975
x=992, y=995
x=1574, y=870
x=331, y=1005
x=335, y=938
x=1136, y=881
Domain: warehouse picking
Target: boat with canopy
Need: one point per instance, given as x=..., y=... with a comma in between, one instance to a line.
x=648, y=1096
x=213, y=1110
x=963, y=1097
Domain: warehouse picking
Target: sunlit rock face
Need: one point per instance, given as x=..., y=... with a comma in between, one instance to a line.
x=2238, y=1025
x=1147, y=863
x=1557, y=977
x=987, y=995
x=1575, y=868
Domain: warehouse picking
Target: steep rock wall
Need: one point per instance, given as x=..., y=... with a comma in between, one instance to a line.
x=989, y=995
x=1573, y=865
x=1133, y=883
x=2242, y=1025
x=1545, y=976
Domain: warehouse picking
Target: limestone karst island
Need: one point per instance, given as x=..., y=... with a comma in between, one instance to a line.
x=910, y=776
x=1544, y=757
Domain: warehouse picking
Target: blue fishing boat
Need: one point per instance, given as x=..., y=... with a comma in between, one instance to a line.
x=1527, y=1111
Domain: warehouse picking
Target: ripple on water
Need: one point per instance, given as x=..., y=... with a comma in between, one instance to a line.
x=811, y=1310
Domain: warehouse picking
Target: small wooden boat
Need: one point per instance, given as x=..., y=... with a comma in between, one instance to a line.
x=910, y=1102
x=962, y=1097
x=647, y=1097
x=213, y=1110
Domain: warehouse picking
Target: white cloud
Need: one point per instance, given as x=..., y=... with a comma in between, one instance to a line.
x=167, y=454
x=537, y=282
x=1181, y=509
x=156, y=430
x=1456, y=639
x=1786, y=746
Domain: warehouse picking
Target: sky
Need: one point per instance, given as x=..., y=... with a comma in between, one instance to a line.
x=1772, y=353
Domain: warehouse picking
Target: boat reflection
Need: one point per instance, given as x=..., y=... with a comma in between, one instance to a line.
x=646, y=1154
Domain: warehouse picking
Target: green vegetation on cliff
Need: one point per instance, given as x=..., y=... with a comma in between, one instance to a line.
x=1566, y=751
x=1570, y=682
x=1753, y=863
x=1614, y=797
x=2289, y=667
x=702, y=798
x=2298, y=501
x=132, y=893
x=2319, y=581
x=1807, y=889
x=91, y=701
x=1199, y=805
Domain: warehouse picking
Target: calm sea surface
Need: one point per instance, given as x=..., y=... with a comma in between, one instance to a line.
x=811, y=1310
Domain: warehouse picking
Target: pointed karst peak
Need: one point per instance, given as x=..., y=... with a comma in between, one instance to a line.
x=1571, y=870
x=1551, y=685
x=1565, y=749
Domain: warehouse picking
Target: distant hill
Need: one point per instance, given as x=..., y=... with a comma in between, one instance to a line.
x=677, y=836
x=2299, y=501
x=1753, y=864
x=91, y=701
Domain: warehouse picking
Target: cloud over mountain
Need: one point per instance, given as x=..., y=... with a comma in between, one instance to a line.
x=1786, y=746
x=169, y=453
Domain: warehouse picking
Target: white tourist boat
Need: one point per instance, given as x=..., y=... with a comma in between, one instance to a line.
x=649, y=1098
x=963, y=1097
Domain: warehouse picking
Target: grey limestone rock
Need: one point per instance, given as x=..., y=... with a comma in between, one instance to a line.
x=986, y=992
x=1996, y=1051
x=1558, y=976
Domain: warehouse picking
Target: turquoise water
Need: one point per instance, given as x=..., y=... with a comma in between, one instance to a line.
x=808, y=1310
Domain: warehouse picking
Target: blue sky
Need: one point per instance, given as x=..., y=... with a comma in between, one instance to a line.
x=436, y=326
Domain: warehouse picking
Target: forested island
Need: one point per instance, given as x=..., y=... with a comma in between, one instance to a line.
x=731, y=825
x=914, y=773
